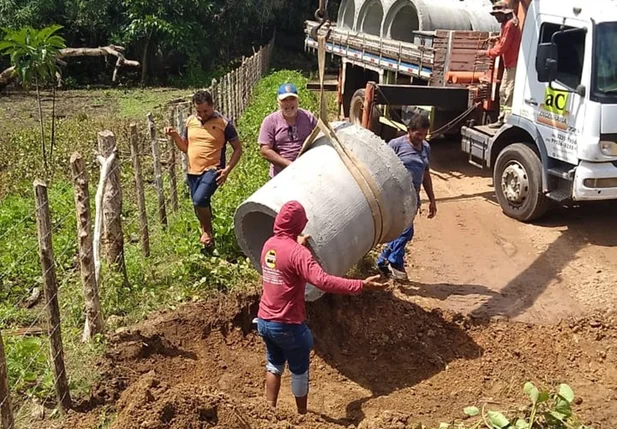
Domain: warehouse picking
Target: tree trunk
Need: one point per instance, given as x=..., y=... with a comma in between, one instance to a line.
x=8, y=75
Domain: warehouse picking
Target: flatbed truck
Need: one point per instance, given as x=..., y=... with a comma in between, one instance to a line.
x=558, y=145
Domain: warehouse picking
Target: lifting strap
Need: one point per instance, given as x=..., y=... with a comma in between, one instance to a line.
x=359, y=172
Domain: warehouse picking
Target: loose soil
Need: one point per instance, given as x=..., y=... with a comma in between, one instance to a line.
x=491, y=304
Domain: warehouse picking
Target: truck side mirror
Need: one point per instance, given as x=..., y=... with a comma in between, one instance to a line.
x=546, y=62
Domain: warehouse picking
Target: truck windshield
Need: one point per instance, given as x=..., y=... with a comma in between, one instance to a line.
x=605, y=62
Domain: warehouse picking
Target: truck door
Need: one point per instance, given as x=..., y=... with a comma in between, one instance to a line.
x=557, y=111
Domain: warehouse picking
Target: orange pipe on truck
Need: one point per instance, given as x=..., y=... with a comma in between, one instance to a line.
x=464, y=77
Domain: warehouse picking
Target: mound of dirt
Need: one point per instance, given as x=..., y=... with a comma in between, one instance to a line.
x=380, y=361
x=150, y=403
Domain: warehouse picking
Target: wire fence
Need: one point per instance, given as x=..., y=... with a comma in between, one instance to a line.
x=134, y=168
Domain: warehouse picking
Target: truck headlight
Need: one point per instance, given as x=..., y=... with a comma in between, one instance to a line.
x=608, y=148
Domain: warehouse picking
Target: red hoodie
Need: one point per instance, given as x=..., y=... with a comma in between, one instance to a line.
x=287, y=267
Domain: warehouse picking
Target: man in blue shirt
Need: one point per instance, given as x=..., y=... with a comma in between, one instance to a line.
x=413, y=150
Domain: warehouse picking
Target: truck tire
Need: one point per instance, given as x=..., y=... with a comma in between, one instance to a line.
x=517, y=178
x=356, y=109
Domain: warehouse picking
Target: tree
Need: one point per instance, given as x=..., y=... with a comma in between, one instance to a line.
x=34, y=56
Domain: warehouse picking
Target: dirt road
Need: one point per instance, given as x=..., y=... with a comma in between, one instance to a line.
x=473, y=259
x=492, y=303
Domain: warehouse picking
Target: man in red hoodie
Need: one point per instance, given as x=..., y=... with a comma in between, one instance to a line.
x=507, y=47
x=287, y=266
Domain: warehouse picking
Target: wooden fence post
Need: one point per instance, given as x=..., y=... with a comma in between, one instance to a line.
x=139, y=188
x=46, y=255
x=243, y=84
x=228, y=94
x=214, y=91
x=223, y=95
x=171, y=165
x=5, y=395
x=158, y=175
x=94, y=316
x=232, y=94
x=236, y=95
x=185, y=163
x=113, y=237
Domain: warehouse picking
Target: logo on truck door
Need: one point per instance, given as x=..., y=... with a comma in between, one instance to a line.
x=553, y=110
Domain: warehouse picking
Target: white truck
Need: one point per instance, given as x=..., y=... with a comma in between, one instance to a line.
x=559, y=144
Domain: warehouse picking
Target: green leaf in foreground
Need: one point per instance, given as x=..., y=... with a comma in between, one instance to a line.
x=498, y=420
x=566, y=392
x=522, y=424
x=471, y=411
x=532, y=391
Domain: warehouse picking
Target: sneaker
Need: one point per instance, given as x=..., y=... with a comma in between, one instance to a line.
x=496, y=125
x=399, y=274
x=384, y=270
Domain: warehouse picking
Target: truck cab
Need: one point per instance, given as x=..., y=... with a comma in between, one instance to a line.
x=560, y=141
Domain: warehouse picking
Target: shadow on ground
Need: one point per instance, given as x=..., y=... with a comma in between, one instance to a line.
x=384, y=343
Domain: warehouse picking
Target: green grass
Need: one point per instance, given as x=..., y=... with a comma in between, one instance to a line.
x=175, y=272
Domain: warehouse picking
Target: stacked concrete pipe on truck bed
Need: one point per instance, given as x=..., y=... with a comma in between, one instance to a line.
x=341, y=222
x=398, y=19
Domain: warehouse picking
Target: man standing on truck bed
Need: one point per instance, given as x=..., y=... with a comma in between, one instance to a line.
x=507, y=47
x=283, y=132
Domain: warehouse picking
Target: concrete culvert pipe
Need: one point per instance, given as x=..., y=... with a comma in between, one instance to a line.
x=347, y=14
x=371, y=18
x=341, y=222
x=403, y=17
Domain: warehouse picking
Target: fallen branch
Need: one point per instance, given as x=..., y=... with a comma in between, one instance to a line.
x=8, y=75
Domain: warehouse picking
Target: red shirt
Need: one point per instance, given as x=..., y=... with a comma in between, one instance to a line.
x=287, y=266
x=508, y=44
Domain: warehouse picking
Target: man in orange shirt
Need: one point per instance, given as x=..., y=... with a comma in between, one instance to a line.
x=507, y=47
x=204, y=141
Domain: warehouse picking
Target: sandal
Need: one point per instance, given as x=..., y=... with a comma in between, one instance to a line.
x=208, y=247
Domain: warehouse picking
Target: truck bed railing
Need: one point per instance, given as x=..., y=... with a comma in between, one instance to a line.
x=403, y=57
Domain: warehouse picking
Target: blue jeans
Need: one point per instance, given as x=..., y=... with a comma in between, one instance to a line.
x=286, y=343
x=202, y=186
x=394, y=253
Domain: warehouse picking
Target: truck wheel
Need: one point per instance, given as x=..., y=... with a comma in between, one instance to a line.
x=356, y=107
x=517, y=177
x=356, y=110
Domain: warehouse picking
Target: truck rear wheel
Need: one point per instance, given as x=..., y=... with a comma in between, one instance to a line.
x=356, y=110
x=517, y=177
x=356, y=107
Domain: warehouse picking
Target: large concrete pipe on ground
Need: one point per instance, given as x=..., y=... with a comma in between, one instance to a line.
x=341, y=222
